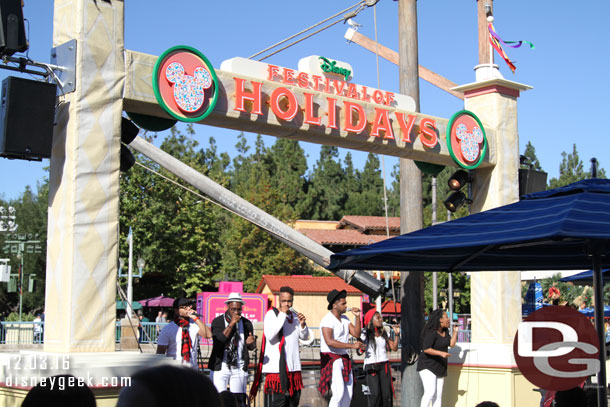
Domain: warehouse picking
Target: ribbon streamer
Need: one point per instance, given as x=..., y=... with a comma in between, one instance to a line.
x=508, y=43
x=493, y=40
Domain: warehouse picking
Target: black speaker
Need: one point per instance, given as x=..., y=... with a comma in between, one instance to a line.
x=531, y=181
x=360, y=396
x=12, y=28
x=27, y=112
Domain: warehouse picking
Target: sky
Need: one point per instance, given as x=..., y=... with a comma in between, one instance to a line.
x=567, y=69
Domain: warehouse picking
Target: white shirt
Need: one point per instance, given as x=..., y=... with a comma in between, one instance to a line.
x=240, y=344
x=292, y=333
x=171, y=336
x=340, y=332
x=379, y=354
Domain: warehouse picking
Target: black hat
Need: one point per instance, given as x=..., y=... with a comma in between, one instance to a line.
x=182, y=302
x=333, y=296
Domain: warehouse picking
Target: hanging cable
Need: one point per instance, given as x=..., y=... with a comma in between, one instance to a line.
x=303, y=31
x=361, y=5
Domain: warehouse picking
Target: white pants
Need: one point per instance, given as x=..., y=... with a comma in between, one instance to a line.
x=341, y=391
x=235, y=377
x=433, y=388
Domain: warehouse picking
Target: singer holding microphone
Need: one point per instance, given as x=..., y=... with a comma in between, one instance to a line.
x=280, y=359
x=233, y=337
x=335, y=363
x=180, y=338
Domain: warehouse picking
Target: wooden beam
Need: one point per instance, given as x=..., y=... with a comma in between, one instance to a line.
x=392, y=56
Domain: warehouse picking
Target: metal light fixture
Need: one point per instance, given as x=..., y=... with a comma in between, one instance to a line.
x=456, y=182
x=455, y=200
x=459, y=179
x=140, y=263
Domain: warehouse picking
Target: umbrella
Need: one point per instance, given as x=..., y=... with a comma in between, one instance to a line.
x=586, y=277
x=566, y=228
x=135, y=305
x=159, y=301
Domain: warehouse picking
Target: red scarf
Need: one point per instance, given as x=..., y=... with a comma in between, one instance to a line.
x=277, y=382
x=186, y=338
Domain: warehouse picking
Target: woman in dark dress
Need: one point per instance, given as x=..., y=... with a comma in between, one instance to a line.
x=432, y=364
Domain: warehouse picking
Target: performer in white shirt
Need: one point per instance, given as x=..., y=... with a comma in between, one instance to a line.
x=180, y=338
x=335, y=363
x=280, y=359
x=376, y=361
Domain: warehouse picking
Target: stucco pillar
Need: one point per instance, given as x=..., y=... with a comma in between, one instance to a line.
x=84, y=181
x=496, y=296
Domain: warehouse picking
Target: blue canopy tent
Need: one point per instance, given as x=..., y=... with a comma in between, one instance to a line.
x=590, y=312
x=586, y=277
x=566, y=228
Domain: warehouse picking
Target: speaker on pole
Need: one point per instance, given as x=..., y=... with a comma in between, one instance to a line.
x=27, y=113
x=12, y=28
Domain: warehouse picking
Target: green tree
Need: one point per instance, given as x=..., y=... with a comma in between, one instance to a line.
x=271, y=179
x=461, y=291
x=31, y=218
x=174, y=231
x=367, y=200
x=287, y=166
x=326, y=195
x=571, y=169
x=531, y=158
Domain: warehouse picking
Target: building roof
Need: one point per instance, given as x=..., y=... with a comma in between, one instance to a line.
x=387, y=307
x=305, y=284
x=365, y=223
x=344, y=237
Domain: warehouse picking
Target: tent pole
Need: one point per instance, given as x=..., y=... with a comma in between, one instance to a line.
x=598, y=284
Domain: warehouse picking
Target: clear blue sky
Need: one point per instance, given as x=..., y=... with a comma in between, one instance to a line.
x=568, y=69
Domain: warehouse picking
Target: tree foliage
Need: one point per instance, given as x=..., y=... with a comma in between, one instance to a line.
x=571, y=169
x=176, y=232
x=189, y=243
x=31, y=218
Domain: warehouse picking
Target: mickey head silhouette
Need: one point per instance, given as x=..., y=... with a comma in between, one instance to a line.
x=189, y=91
x=469, y=142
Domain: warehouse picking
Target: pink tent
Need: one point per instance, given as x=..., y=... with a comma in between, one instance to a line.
x=159, y=301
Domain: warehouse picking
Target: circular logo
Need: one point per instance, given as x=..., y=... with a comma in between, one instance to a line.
x=556, y=348
x=466, y=139
x=185, y=84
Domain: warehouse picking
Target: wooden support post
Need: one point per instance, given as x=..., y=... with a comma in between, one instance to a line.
x=485, y=57
x=412, y=317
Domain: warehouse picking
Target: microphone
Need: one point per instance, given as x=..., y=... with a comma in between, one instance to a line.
x=293, y=310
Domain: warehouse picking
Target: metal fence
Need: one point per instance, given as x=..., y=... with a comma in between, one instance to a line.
x=21, y=332
x=30, y=332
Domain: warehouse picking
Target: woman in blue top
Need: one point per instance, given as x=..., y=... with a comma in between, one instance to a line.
x=432, y=364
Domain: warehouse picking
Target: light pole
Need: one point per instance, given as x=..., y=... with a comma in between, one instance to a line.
x=130, y=274
x=20, y=258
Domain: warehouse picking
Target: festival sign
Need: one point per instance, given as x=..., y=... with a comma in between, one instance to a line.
x=314, y=103
x=185, y=84
x=466, y=139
